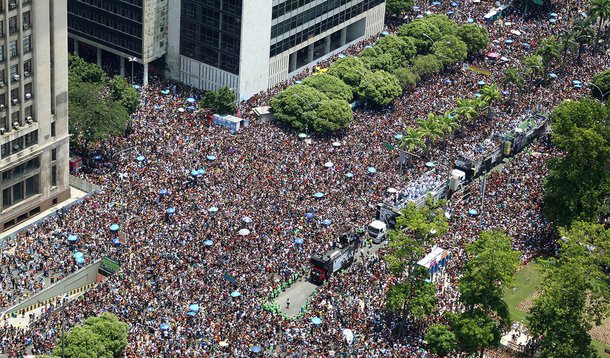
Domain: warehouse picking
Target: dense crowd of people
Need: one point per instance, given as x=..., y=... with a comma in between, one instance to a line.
x=265, y=179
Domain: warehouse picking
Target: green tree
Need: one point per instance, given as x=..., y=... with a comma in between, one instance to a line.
x=381, y=87
x=443, y=23
x=583, y=33
x=550, y=51
x=411, y=140
x=574, y=293
x=402, y=49
x=331, y=86
x=475, y=331
x=125, y=94
x=431, y=130
x=350, y=70
x=600, y=11
x=112, y=332
x=441, y=341
x=513, y=77
x=424, y=222
x=475, y=37
x=426, y=65
x=578, y=185
x=490, y=94
x=448, y=123
x=600, y=85
x=81, y=71
x=406, y=77
x=221, y=102
x=467, y=109
x=534, y=66
x=396, y=7
x=332, y=115
x=384, y=62
x=568, y=44
x=424, y=34
x=450, y=49
x=290, y=105
x=81, y=342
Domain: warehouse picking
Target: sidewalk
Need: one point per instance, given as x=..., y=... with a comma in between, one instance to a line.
x=75, y=194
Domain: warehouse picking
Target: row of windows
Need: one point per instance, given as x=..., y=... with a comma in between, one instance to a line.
x=15, y=117
x=13, y=26
x=13, y=48
x=322, y=26
x=19, y=144
x=111, y=38
x=306, y=16
x=118, y=8
x=133, y=28
x=211, y=19
x=225, y=61
x=19, y=171
x=21, y=191
x=288, y=6
x=12, y=4
x=231, y=7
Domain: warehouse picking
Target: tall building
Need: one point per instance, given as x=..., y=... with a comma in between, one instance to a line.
x=132, y=30
x=34, y=138
x=251, y=45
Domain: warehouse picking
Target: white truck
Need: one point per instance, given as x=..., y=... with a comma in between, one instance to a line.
x=378, y=230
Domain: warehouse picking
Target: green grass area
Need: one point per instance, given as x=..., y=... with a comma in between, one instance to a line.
x=599, y=346
x=527, y=280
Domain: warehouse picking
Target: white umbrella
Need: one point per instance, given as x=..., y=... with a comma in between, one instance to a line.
x=328, y=164
x=244, y=232
x=180, y=109
x=392, y=191
x=348, y=335
x=336, y=144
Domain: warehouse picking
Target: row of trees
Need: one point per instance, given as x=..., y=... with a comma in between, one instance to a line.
x=437, y=127
x=380, y=74
x=491, y=267
x=98, y=106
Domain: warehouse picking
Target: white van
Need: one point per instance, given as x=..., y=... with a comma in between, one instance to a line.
x=378, y=231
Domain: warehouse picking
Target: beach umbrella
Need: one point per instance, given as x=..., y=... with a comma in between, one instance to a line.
x=181, y=110
x=213, y=209
x=392, y=191
x=165, y=91
x=243, y=232
x=477, y=95
x=454, y=3
x=503, y=58
x=72, y=238
x=436, y=3
x=508, y=41
x=246, y=219
x=164, y=327
x=553, y=75
x=191, y=313
x=116, y=241
x=318, y=195
x=194, y=172
x=223, y=343
x=371, y=170
x=302, y=136
x=163, y=192
x=481, y=83
x=208, y=243
x=191, y=108
x=554, y=14
x=349, y=175
x=211, y=157
x=170, y=210
x=470, y=20
x=309, y=216
x=430, y=164
x=327, y=222
x=341, y=55
x=191, y=100
x=336, y=144
x=97, y=157
x=298, y=82
x=505, y=93
x=450, y=12
x=493, y=55
x=368, y=46
x=398, y=136
x=553, y=20
x=256, y=349
x=316, y=321
x=472, y=212
x=328, y=164
x=194, y=307
x=137, y=87
x=299, y=241
x=140, y=158
x=385, y=33
x=235, y=294
x=114, y=227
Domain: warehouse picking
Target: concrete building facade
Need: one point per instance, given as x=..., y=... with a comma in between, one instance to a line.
x=133, y=30
x=34, y=142
x=250, y=46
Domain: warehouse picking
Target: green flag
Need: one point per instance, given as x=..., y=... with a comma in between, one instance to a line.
x=389, y=146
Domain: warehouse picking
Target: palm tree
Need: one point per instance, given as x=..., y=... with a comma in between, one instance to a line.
x=600, y=10
x=448, y=122
x=534, y=65
x=583, y=33
x=411, y=140
x=568, y=43
x=466, y=110
x=550, y=51
x=513, y=77
x=489, y=94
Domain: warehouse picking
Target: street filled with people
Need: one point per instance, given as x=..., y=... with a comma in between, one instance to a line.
x=221, y=220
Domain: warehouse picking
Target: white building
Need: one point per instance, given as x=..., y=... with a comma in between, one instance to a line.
x=34, y=138
x=251, y=45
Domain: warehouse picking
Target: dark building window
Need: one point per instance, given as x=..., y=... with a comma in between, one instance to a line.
x=211, y=32
x=317, y=28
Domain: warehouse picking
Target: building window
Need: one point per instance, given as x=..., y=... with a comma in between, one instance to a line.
x=53, y=129
x=12, y=49
x=2, y=53
x=31, y=186
x=12, y=24
x=54, y=154
x=54, y=176
x=27, y=44
x=31, y=139
x=6, y=198
x=26, y=20
x=14, y=70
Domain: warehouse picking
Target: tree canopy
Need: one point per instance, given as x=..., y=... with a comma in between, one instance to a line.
x=290, y=105
x=441, y=341
x=578, y=184
x=426, y=65
x=600, y=85
x=396, y=7
x=330, y=85
x=381, y=87
x=350, y=70
x=474, y=36
x=424, y=34
x=450, y=49
x=222, y=101
x=332, y=115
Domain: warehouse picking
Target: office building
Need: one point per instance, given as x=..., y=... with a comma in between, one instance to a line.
x=132, y=30
x=34, y=138
x=251, y=45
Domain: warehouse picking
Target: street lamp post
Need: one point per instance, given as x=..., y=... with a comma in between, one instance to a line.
x=601, y=92
x=132, y=60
